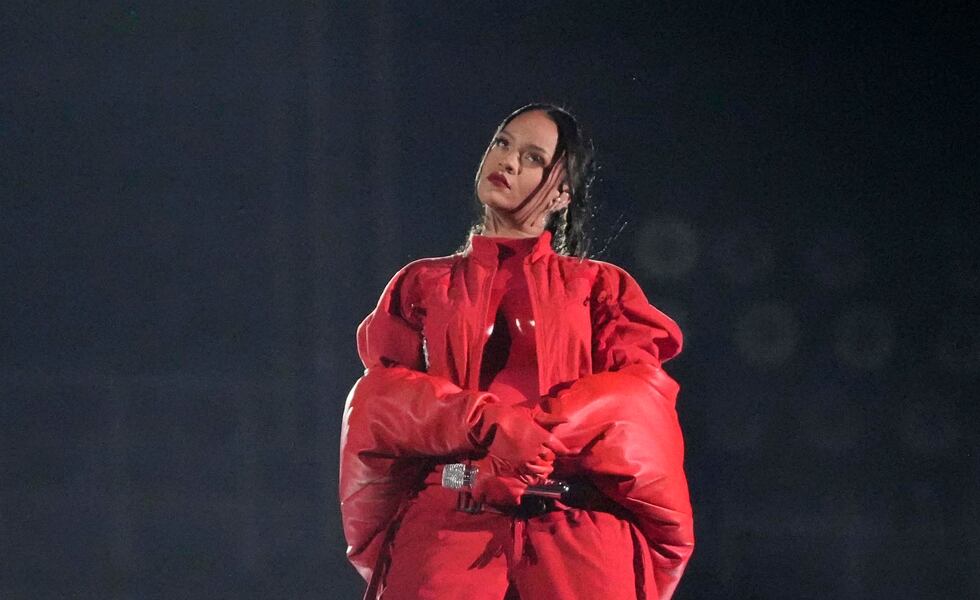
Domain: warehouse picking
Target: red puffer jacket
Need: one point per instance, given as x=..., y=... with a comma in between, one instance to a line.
x=600, y=346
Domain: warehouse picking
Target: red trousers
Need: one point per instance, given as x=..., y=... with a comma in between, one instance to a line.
x=576, y=554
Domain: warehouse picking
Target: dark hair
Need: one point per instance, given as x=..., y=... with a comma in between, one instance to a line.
x=570, y=228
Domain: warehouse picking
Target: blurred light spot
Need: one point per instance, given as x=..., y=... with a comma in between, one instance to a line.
x=667, y=247
x=864, y=338
x=837, y=258
x=768, y=334
x=745, y=253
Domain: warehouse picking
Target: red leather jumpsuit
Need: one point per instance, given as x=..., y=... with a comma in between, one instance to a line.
x=431, y=550
x=442, y=553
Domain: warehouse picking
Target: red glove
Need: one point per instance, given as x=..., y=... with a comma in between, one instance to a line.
x=495, y=485
x=516, y=444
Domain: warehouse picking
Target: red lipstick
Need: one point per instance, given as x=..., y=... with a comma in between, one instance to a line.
x=498, y=180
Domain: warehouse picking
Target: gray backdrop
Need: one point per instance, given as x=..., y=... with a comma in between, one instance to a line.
x=200, y=203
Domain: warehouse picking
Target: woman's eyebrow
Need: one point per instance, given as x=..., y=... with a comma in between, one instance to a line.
x=531, y=146
x=539, y=149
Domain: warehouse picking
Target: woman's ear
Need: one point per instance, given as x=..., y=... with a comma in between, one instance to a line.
x=562, y=205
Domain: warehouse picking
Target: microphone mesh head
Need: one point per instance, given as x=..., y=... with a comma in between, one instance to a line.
x=457, y=476
x=452, y=476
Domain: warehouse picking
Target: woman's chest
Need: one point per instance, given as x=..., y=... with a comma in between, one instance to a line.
x=459, y=312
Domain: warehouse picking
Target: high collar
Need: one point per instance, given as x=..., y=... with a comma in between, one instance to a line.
x=484, y=250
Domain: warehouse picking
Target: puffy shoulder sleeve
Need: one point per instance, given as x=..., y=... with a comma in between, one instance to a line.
x=626, y=329
x=397, y=417
x=391, y=334
x=621, y=422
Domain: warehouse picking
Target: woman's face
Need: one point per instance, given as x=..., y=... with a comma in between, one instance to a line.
x=516, y=161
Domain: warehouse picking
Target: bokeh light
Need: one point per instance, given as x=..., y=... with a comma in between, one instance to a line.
x=667, y=247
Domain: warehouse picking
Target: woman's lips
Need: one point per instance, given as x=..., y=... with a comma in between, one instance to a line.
x=498, y=180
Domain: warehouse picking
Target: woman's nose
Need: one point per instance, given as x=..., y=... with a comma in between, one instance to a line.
x=509, y=161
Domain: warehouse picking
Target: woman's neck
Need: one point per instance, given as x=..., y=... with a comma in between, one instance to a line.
x=496, y=225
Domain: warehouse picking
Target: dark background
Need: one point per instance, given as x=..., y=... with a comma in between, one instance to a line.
x=200, y=203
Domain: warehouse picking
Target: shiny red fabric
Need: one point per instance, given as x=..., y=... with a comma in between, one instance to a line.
x=440, y=553
x=600, y=346
x=509, y=368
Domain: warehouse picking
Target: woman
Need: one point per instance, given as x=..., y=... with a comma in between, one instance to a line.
x=527, y=361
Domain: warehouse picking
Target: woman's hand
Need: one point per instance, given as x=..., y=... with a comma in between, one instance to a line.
x=551, y=196
x=517, y=442
x=531, y=216
x=496, y=484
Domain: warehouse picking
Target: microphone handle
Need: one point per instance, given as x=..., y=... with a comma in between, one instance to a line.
x=550, y=488
x=459, y=476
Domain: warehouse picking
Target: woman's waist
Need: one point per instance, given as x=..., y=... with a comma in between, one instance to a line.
x=582, y=494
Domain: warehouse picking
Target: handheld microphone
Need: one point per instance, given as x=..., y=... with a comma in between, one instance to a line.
x=460, y=476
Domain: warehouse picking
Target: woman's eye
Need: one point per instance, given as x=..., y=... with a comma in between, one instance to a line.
x=500, y=143
x=536, y=158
